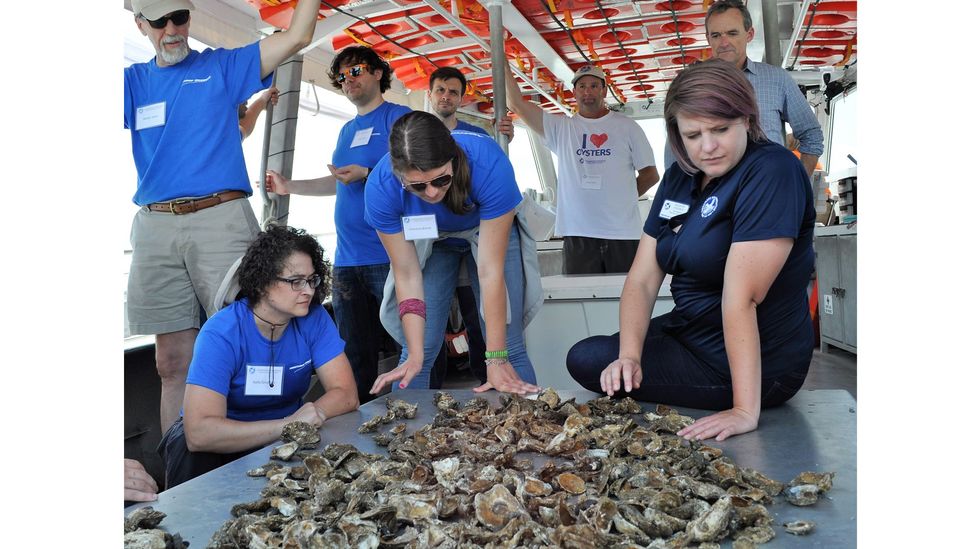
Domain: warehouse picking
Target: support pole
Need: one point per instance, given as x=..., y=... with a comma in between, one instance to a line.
x=770, y=15
x=280, y=127
x=498, y=65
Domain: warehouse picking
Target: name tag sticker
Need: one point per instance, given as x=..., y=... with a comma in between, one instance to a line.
x=150, y=116
x=263, y=380
x=592, y=182
x=419, y=227
x=361, y=138
x=672, y=208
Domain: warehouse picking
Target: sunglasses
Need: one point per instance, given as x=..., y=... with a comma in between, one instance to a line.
x=177, y=17
x=352, y=71
x=438, y=182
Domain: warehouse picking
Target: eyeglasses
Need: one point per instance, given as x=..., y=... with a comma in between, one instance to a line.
x=298, y=284
x=352, y=71
x=177, y=17
x=438, y=182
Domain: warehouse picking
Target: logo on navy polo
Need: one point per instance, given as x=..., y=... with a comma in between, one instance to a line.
x=709, y=207
x=591, y=146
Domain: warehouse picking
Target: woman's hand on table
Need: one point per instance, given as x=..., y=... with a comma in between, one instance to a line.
x=404, y=372
x=623, y=369
x=721, y=425
x=502, y=377
x=309, y=413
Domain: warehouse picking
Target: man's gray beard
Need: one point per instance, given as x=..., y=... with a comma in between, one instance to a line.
x=173, y=57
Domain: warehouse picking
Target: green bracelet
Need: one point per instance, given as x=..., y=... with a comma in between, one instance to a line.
x=497, y=354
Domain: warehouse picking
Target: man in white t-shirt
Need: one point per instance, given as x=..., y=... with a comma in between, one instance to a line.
x=599, y=152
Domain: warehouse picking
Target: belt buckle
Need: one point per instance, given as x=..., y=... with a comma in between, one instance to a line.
x=174, y=203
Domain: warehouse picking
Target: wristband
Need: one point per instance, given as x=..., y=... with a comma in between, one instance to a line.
x=497, y=354
x=367, y=175
x=414, y=306
x=495, y=361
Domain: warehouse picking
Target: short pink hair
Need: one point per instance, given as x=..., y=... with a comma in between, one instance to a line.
x=715, y=89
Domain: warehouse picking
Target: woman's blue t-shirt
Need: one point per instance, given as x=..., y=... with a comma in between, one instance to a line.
x=494, y=191
x=229, y=343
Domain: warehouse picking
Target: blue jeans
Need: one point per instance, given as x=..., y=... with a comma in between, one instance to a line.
x=440, y=279
x=356, y=296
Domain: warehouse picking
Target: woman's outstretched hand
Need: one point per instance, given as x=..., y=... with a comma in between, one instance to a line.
x=623, y=370
x=721, y=425
x=503, y=378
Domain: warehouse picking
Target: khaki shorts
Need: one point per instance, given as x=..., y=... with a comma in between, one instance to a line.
x=179, y=261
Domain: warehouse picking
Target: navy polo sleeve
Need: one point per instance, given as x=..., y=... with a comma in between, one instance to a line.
x=771, y=198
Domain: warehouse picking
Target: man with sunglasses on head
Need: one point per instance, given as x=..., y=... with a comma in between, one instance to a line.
x=361, y=264
x=181, y=110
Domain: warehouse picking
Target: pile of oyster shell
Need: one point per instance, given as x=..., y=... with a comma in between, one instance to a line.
x=531, y=473
x=142, y=531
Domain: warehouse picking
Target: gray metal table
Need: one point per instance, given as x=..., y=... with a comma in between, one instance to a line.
x=815, y=431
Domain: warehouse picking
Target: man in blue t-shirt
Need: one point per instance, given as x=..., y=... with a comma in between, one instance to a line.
x=447, y=87
x=181, y=110
x=361, y=264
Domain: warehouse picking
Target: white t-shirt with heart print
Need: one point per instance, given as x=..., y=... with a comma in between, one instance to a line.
x=598, y=160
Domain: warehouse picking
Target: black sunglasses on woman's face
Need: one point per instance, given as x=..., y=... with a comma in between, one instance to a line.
x=439, y=182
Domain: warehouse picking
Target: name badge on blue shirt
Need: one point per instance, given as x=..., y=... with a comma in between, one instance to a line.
x=672, y=208
x=419, y=227
x=361, y=138
x=263, y=380
x=150, y=116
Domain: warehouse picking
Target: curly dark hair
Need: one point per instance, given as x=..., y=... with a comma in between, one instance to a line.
x=265, y=259
x=354, y=55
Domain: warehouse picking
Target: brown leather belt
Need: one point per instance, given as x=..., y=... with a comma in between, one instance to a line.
x=179, y=207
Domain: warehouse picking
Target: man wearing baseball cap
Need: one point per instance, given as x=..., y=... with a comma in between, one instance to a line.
x=605, y=165
x=192, y=224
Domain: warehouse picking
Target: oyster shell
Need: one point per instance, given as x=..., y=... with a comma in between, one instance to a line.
x=143, y=518
x=712, y=525
x=141, y=532
x=401, y=409
x=305, y=434
x=285, y=451
x=799, y=527
x=371, y=425
x=823, y=481
x=550, y=397
x=803, y=494
x=571, y=483
x=496, y=507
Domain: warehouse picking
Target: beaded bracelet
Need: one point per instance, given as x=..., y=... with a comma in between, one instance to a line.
x=497, y=354
x=414, y=306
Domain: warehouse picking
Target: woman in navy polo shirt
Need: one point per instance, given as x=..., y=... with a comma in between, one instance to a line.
x=733, y=226
x=253, y=360
x=439, y=200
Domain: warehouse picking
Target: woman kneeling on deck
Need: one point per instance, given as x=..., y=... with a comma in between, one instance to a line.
x=734, y=226
x=439, y=201
x=253, y=360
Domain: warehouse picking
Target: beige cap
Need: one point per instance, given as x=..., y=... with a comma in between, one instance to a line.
x=589, y=70
x=154, y=9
